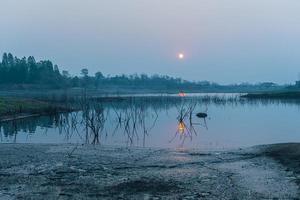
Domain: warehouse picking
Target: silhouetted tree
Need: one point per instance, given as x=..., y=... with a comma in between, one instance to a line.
x=85, y=72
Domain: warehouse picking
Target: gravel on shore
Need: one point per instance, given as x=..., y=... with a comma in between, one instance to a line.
x=69, y=171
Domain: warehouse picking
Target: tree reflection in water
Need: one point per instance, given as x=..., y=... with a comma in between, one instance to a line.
x=185, y=124
x=133, y=117
x=134, y=120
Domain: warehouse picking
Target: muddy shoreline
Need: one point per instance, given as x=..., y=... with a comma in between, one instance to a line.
x=69, y=171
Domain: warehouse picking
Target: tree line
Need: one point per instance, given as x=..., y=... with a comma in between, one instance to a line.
x=14, y=70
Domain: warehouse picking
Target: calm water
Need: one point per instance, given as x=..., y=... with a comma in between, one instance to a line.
x=167, y=121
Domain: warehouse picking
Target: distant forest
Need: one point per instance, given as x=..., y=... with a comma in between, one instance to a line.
x=28, y=71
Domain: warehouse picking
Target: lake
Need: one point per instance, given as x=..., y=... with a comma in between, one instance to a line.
x=166, y=121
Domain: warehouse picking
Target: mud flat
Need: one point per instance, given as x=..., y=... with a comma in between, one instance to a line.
x=274, y=95
x=34, y=171
x=20, y=108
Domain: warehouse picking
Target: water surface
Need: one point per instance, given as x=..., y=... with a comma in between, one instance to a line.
x=167, y=121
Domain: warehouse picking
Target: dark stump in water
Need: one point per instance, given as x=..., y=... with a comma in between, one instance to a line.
x=201, y=115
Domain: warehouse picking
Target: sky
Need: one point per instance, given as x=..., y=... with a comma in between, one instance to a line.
x=225, y=41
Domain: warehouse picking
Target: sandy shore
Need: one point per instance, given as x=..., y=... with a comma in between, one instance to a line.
x=32, y=171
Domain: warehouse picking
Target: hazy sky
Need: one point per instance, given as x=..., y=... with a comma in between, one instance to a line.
x=225, y=41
